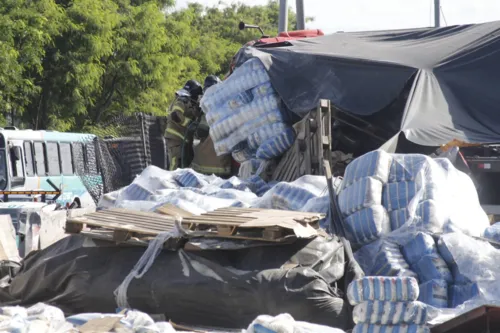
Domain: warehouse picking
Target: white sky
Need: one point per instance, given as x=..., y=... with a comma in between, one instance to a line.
x=359, y=15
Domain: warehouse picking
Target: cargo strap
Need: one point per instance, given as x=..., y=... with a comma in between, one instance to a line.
x=145, y=262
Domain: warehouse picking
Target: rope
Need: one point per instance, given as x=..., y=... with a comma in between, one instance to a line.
x=144, y=263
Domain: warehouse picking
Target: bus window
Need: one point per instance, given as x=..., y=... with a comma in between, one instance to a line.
x=16, y=162
x=78, y=160
x=53, y=159
x=40, y=159
x=28, y=158
x=66, y=164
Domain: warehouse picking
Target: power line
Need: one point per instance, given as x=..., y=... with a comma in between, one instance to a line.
x=442, y=13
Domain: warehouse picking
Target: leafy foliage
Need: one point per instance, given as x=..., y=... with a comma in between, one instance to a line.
x=74, y=64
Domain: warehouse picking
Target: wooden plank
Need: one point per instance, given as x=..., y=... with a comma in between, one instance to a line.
x=105, y=223
x=119, y=226
x=100, y=325
x=129, y=219
x=172, y=210
x=137, y=215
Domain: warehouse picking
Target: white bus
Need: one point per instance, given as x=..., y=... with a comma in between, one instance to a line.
x=29, y=158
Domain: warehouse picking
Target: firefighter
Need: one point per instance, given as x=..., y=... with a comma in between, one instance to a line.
x=205, y=159
x=183, y=110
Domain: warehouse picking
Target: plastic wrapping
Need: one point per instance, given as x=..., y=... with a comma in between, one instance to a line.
x=245, y=117
x=300, y=279
x=390, y=313
x=434, y=293
x=421, y=197
x=422, y=244
x=493, y=232
x=284, y=323
x=39, y=318
x=294, y=195
x=433, y=267
x=392, y=196
x=390, y=262
x=381, y=288
x=197, y=193
x=368, y=328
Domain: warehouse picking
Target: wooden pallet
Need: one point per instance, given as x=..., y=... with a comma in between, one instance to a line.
x=236, y=223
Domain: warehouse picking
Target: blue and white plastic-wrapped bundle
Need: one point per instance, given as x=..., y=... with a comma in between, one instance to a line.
x=390, y=313
x=360, y=199
x=383, y=288
x=434, y=293
x=422, y=244
x=433, y=267
x=390, y=262
x=387, y=304
x=369, y=328
x=244, y=116
x=402, y=200
x=382, y=193
x=296, y=195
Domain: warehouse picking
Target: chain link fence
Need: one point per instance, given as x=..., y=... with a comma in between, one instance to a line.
x=121, y=149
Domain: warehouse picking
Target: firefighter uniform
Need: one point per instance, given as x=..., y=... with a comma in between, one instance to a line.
x=181, y=113
x=185, y=121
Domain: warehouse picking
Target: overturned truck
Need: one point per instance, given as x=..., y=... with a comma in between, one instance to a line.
x=409, y=91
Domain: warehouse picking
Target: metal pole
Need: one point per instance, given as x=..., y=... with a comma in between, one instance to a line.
x=437, y=13
x=301, y=19
x=283, y=18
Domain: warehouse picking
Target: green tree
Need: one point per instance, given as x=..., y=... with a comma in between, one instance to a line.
x=211, y=35
x=75, y=64
x=26, y=29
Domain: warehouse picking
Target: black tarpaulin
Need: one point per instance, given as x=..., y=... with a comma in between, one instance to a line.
x=217, y=288
x=454, y=94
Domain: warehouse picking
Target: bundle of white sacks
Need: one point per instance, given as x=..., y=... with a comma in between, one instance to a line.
x=391, y=206
x=387, y=304
x=244, y=116
x=384, y=193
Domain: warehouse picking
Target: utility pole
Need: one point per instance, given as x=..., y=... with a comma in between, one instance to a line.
x=437, y=13
x=283, y=18
x=301, y=19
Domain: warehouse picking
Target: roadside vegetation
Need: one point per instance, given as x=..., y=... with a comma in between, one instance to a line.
x=71, y=65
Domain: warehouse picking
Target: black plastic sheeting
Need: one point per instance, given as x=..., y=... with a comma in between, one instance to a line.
x=207, y=288
x=454, y=72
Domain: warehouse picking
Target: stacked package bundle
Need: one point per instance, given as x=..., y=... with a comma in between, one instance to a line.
x=360, y=199
x=387, y=304
x=383, y=192
x=244, y=116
